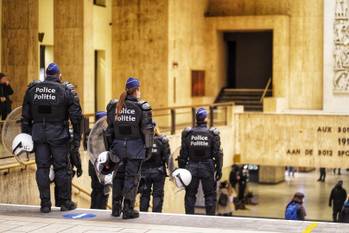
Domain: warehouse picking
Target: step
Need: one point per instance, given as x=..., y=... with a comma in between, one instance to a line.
x=21, y=218
x=239, y=98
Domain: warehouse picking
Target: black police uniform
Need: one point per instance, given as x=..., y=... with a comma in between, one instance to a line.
x=130, y=138
x=100, y=192
x=47, y=107
x=154, y=174
x=200, y=154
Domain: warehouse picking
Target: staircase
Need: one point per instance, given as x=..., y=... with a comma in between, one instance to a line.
x=249, y=98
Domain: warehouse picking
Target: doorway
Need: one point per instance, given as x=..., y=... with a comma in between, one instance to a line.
x=99, y=80
x=249, y=59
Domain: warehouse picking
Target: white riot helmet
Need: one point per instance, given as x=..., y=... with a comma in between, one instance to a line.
x=182, y=177
x=104, y=165
x=22, y=143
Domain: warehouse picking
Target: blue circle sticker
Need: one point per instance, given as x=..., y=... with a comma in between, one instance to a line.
x=79, y=216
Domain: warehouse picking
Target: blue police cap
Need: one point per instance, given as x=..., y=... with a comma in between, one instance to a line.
x=52, y=69
x=201, y=114
x=99, y=115
x=132, y=83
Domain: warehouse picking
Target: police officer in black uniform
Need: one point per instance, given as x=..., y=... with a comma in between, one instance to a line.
x=200, y=154
x=100, y=192
x=130, y=135
x=47, y=108
x=154, y=173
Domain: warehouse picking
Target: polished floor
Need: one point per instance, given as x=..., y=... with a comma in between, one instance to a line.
x=15, y=218
x=272, y=199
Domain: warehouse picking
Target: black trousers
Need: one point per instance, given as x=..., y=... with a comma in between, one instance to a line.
x=322, y=175
x=153, y=184
x=335, y=214
x=242, y=189
x=201, y=172
x=126, y=180
x=99, y=199
x=45, y=154
x=5, y=109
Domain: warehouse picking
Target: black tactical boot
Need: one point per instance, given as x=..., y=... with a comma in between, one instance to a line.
x=45, y=209
x=68, y=205
x=116, y=211
x=210, y=210
x=128, y=212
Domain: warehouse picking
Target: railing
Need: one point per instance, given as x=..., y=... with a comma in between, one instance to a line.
x=265, y=90
x=169, y=119
x=83, y=191
x=6, y=170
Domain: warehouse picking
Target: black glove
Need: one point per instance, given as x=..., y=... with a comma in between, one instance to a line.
x=182, y=163
x=75, y=159
x=218, y=174
x=148, y=153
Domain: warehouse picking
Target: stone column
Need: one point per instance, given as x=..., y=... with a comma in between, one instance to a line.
x=73, y=50
x=140, y=48
x=271, y=174
x=20, y=44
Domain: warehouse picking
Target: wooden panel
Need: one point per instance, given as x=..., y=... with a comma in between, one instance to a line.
x=295, y=140
x=197, y=83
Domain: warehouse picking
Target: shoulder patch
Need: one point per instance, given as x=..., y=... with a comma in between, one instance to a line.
x=215, y=131
x=33, y=83
x=112, y=103
x=164, y=139
x=144, y=105
x=70, y=87
x=186, y=131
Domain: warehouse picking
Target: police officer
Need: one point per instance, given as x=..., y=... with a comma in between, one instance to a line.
x=47, y=108
x=130, y=135
x=154, y=173
x=200, y=154
x=100, y=192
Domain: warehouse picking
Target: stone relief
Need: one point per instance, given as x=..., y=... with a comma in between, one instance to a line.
x=341, y=49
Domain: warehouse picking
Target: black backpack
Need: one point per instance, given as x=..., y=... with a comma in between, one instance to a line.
x=223, y=199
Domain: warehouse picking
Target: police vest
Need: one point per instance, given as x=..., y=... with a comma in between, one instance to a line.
x=200, y=141
x=156, y=158
x=127, y=124
x=48, y=103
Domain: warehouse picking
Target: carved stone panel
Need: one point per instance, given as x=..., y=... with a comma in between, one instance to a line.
x=341, y=48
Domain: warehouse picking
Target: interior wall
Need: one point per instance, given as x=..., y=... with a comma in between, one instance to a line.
x=306, y=42
x=20, y=44
x=88, y=57
x=100, y=81
x=102, y=40
x=0, y=34
x=73, y=47
x=140, y=48
x=253, y=59
x=187, y=51
x=46, y=21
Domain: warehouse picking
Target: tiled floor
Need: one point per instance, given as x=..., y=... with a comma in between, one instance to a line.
x=14, y=218
x=272, y=199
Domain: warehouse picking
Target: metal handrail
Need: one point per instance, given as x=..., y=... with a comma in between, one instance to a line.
x=172, y=113
x=265, y=90
x=18, y=165
x=81, y=190
x=180, y=107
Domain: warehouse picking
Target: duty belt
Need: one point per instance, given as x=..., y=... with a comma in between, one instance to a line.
x=200, y=160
